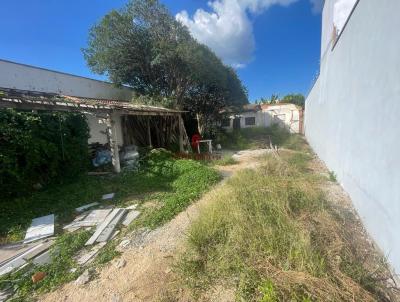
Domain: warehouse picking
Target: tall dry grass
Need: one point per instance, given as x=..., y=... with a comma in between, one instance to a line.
x=271, y=235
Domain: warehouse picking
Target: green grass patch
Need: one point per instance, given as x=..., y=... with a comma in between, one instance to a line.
x=180, y=181
x=172, y=184
x=259, y=137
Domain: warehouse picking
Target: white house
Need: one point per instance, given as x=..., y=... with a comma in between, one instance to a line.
x=352, y=112
x=289, y=116
x=286, y=115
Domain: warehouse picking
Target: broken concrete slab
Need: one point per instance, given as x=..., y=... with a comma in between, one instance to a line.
x=84, y=278
x=102, y=226
x=132, y=215
x=86, y=206
x=11, y=251
x=5, y=294
x=108, y=196
x=40, y=228
x=89, y=256
x=42, y=247
x=120, y=263
x=94, y=218
x=109, y=229
x=42, y=259
x=24, y=258
x=124, y=244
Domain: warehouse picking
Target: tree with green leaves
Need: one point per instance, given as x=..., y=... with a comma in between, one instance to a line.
x=144, y=47
x=274, y=99
x=297, y=99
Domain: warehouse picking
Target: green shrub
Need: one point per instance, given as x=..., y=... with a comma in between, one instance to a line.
x=39, y=148
x=259, y=137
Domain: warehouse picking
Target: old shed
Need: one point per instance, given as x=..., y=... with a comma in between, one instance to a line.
x=112, y=123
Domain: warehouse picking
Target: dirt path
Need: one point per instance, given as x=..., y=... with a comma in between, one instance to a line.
x=148, y=255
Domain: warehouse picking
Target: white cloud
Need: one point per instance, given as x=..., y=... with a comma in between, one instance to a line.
x=317, y=6
x=342, y=11
x=227, y=29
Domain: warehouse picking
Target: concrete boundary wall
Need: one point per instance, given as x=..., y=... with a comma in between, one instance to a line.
x=25, y=77
x=352, y=118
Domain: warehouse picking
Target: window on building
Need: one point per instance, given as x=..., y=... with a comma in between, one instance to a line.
x=226, y=122
x=250, y=121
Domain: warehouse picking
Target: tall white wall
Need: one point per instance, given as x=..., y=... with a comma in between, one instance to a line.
x=352, y=118
x=20, y=76
x=327, y=26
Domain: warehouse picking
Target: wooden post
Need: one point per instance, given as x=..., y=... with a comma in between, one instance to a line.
x=180, y=121
x=149, y=133
x=112, y=140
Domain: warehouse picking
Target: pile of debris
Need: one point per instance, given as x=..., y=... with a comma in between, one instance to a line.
x=39, y=238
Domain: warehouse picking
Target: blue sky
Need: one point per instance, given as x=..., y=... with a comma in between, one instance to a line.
x=275, y=46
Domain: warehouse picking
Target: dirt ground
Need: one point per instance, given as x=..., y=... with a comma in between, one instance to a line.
x=149, y=255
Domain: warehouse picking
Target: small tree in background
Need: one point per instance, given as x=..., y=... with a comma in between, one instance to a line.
x=274, y=99
x=297, y=99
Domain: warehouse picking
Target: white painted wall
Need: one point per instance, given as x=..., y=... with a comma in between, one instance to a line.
x=20, y=76
x=286, y=115
x=352, y=118
x=98, y=129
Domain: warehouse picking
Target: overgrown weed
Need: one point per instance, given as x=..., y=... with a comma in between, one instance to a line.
x=271, y=234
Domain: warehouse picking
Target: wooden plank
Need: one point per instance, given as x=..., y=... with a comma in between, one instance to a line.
x=108, y=230
x=102, y=226
x=86, y=206
x=41, y=227
x=132, y=215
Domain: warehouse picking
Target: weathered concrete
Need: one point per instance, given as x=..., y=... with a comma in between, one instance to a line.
x=352, y=116
x=25, y=77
